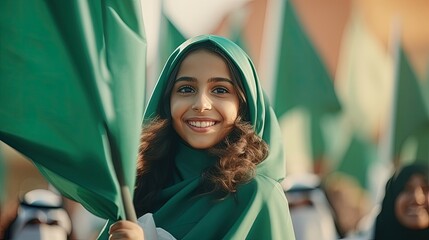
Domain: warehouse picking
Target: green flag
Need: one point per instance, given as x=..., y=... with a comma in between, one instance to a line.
x=422, y=153
x=72, y=89
x=410, y=113
x=408, y=118
x=357, y=159
x=302, y=80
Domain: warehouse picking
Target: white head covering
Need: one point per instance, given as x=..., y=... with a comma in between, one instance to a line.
x=310, y=210
x=41, y=216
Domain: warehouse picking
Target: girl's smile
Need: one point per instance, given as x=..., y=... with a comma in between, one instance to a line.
x=201, y=125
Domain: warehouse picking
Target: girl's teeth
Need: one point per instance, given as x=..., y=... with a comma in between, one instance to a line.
x=201, y=124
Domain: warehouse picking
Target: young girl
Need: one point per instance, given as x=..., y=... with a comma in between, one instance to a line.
x=211, y=153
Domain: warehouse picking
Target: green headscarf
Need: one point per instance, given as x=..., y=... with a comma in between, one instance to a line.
x=259, y=209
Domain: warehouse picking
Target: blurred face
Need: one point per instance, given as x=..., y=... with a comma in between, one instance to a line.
x=204, y=102
x=40, y=224
x=412, y=204
x=41, y=232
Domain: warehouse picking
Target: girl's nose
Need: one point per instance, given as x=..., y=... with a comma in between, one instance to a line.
x=420, y=196
x=202, y=103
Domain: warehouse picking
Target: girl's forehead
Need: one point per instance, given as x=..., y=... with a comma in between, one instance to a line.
x=203, y=62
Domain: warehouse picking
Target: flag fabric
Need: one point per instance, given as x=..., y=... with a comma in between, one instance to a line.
x=425, y=89
x=301, y=79
x=410, y=113
x=422, y=152
x=72, y=92
x=408, y=119
x=411, y=118
x=357, y=160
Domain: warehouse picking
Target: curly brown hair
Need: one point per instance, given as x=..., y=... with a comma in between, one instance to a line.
x=238, y=153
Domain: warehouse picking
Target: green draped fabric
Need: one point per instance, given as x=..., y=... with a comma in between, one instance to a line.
x=259, y=210
x=72, y=78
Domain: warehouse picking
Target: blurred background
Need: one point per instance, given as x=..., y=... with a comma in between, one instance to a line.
x=348, y=79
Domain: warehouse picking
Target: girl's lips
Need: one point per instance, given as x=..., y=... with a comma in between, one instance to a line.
x=415, y=211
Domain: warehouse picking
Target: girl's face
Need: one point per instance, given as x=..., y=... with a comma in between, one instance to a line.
x=412, y=204
x=204, y=102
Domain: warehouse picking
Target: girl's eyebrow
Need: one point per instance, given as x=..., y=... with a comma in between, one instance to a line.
x=192, y=79
x=185, y=79
x=221, y=79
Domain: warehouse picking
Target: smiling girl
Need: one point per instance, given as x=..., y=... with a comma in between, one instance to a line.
x=211, y=155
x=405, y=209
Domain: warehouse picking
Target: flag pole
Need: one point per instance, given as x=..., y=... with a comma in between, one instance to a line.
x=127, y=201
x=130, y=213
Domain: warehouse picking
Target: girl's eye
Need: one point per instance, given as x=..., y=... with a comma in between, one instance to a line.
x=220, y=90
x=185, y=89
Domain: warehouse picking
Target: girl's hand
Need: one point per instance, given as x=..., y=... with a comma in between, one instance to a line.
x=123, y=230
